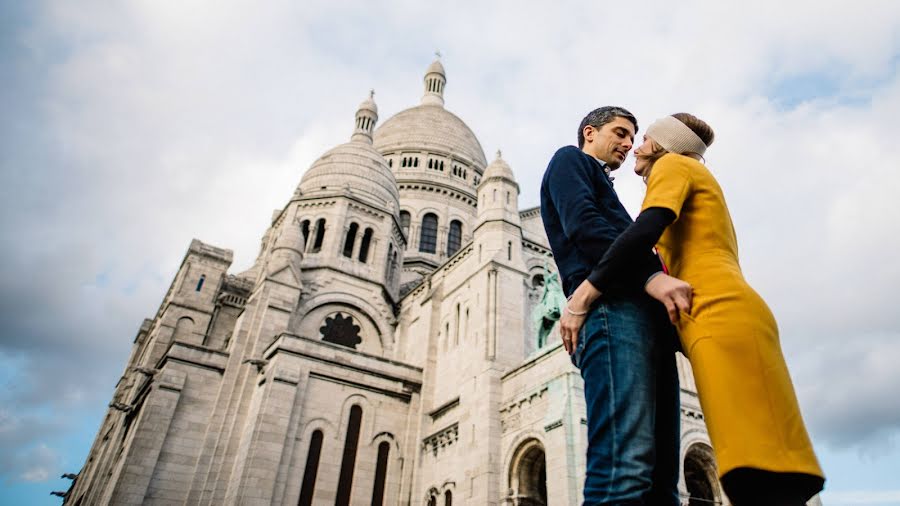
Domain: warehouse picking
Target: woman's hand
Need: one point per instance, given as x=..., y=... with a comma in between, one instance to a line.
x=574, y=314
x=674, y=293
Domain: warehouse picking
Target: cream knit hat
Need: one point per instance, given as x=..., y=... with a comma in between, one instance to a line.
x=675, y=137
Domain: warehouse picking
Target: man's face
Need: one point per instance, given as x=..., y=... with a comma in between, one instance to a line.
x=611, y=142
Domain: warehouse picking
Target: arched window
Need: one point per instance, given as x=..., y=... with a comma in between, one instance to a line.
x=380, y=473
x=312, y=469
x=390, y=264
x=351, y=238
x=404, y=223
x=348, y=461
x=454, y=237
x=432, y=501
x=428, y=235
x=393, y=265
x=320, y=235
x=700, y=475
x=416, y=162
x=184, y=329
x=364, y=245
x=304, y=229
x=391, y=162
x=200, y=282
x=528, y=473
x=448, y=498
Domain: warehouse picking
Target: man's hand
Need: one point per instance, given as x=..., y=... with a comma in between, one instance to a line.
x=574, y=314
x=674, y=293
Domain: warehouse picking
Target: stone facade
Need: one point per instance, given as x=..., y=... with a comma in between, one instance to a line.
x=379, y=351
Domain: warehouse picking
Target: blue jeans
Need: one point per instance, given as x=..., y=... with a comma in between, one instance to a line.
x=626, y=355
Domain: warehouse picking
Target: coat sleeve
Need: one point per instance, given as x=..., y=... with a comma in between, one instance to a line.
x=574, y=197
x=583, y=209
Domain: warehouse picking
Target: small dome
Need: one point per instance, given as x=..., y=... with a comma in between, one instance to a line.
x=499, y=168
x=369, y=103
x=354, y=166
x=435, y=68
x=290, y=238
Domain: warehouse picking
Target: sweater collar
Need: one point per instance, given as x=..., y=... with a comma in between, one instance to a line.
x=604, y=167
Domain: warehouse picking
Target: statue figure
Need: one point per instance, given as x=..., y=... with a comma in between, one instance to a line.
x=549, y=309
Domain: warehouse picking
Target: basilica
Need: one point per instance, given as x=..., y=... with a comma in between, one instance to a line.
x=382, y=349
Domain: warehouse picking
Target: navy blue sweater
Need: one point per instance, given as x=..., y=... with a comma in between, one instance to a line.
x=583, y=217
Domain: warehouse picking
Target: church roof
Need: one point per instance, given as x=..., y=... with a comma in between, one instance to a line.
x=432, y=128
x=356, y=166
x=499, y=168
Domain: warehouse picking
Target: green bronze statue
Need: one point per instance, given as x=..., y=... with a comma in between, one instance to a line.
x=548, y=311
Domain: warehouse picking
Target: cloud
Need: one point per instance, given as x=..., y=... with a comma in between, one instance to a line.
x=24, y=459
x=859, y=497
x=137, y=126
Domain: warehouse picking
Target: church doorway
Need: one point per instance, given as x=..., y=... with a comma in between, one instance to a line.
x=700, y=476
x=528, y=476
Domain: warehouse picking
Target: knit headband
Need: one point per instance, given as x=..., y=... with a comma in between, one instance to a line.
x=675, y=137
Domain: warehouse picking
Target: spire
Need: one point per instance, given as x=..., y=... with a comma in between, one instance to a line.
x=366, y=117
x=435, y=79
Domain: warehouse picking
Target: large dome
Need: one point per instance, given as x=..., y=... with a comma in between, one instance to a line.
x=355, y=166
x=432, y=128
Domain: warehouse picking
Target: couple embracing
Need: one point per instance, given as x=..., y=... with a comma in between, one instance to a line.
x=628, y=310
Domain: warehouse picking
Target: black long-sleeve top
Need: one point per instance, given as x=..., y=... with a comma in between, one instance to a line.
x=640, y=236
x=583, y=217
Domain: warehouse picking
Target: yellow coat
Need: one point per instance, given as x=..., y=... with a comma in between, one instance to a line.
x=730, y=337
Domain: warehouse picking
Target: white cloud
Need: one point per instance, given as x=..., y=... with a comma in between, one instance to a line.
x=154, y=122
x=859, y=497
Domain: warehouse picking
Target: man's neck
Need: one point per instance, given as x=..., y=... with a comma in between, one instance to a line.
x=595, y=157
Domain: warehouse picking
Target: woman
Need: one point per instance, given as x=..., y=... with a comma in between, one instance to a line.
x=763, y=452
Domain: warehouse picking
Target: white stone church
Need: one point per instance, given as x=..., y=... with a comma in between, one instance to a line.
x=380, y=351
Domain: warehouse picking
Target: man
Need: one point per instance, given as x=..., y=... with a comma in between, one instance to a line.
x=621, y=340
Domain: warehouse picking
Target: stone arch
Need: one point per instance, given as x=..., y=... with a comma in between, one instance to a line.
x=700, y=475
x=319, y=423
x=390, y=469
x=432, y=497
x=527, y=476
x=184, y=330
x=422, y=211
x=448, y=490
x=314, y=310
x=385, y=436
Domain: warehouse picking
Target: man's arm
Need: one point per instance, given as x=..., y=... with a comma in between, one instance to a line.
x=585, y=221
x=570, y=185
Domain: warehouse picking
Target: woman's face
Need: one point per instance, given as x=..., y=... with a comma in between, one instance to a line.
x=641, y=161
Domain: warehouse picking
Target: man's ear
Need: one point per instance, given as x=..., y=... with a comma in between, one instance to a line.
x=588, y=133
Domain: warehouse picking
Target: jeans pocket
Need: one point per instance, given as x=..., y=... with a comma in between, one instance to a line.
x=584, y=334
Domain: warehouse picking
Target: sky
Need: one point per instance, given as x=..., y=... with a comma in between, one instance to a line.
x=129, y=128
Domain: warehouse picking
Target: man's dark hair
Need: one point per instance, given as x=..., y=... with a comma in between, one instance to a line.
x=601, y=116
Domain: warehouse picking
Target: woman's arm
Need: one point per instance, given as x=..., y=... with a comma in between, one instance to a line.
x=636, y=240
x=639, y=237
